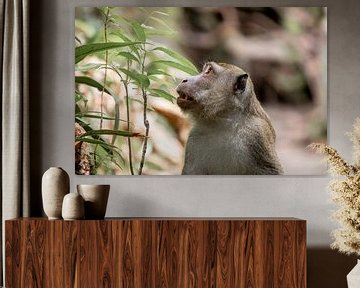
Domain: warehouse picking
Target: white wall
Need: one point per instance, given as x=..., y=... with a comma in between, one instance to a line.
x=303, y=197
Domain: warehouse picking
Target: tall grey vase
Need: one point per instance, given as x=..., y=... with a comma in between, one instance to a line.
x=55, y=185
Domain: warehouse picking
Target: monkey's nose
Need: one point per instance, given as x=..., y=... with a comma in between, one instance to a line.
x=184, y=81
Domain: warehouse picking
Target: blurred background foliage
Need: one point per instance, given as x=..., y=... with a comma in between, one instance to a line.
x=144, y=55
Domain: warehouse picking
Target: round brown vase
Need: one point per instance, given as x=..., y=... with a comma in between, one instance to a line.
x=73, y=207
x=96, y=198
x=55, y=185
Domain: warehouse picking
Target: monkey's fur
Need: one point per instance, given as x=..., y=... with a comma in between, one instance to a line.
x=231, y=132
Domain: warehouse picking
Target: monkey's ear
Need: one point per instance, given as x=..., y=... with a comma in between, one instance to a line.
x=240, y=83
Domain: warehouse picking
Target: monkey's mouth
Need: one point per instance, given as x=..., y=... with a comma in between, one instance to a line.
x=185, y=100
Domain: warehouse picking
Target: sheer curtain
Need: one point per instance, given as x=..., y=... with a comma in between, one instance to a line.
x=15, y=172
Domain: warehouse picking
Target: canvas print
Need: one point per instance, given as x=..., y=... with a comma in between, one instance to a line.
x=200, y=90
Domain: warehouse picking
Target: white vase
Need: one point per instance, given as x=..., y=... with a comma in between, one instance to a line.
x=96, y=198
x=73, y=207
x=353, y=278
x=55, y=185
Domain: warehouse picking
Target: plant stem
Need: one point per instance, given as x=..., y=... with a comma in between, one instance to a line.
x=106, y=64
x=105, y=76
x=147, y=127
x=128, y=118
x=146, y=121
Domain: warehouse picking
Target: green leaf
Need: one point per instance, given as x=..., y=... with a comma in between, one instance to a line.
x=176, y=65
x=161, y=13
x=108, y=148
x=77, y=109
x=128, y=56
x=162, y=23
x=79, y=97
x=136, y=27
x=91, y=82
x=87, y=67
x=139, y=31
x=181, y=59
x=125, y=38
x=163, y=94
x=154, y=71
x=111, y=132
x=88, y=129
x=142, y=80
x=151, y=31
x=121, y=35
x=82, y=51
x=95, y=141
x=98, y=117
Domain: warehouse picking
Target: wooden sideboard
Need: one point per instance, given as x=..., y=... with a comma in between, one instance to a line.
x=156, y=252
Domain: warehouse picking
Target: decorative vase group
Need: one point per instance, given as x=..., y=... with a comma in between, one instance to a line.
x=90, y=201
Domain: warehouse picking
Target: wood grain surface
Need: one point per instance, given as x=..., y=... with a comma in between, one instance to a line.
x=137, y=253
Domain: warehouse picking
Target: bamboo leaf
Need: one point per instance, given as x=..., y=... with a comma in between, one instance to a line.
x=161, y=13
x=94, y=141
x=125, y=38
x=163, y=94
x=111, y=132
x=136, y=27
x=161, y=22
x=91, y=82
x=181, y=59
x=82, y=51
x=106, y=146
x=176, y=65
x=122, y=36
x=87, y=67
x=151, y=31
x=79, y=97
x=128, y=56
x=98, y=117
x=139, y=31
x=142, y=80
x=154, y=71
x=88, y=129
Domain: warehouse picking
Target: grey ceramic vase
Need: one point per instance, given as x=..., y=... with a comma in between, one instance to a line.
x=55, y=185
x=96, y=198
x=73, y=207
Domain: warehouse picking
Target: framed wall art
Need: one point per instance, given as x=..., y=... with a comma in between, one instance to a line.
x=200, y=90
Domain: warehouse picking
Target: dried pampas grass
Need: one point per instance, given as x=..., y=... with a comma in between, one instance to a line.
x=345, y=191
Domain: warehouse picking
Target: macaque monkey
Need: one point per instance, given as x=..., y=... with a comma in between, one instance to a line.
x=231, y=133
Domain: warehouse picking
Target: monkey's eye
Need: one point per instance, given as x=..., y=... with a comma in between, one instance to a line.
x=208, y=70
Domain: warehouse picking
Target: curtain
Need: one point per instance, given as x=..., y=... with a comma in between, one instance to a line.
x=15, y=172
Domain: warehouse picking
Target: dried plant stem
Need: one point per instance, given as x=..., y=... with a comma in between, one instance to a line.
x=146, y=121
x=147, y=127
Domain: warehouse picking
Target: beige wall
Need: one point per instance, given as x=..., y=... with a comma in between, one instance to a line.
x=52, y=123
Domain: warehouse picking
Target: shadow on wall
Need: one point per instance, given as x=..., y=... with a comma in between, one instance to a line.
x=328, y=268
x=37, y=12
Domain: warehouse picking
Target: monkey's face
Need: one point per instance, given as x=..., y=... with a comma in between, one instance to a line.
x=217, y=89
